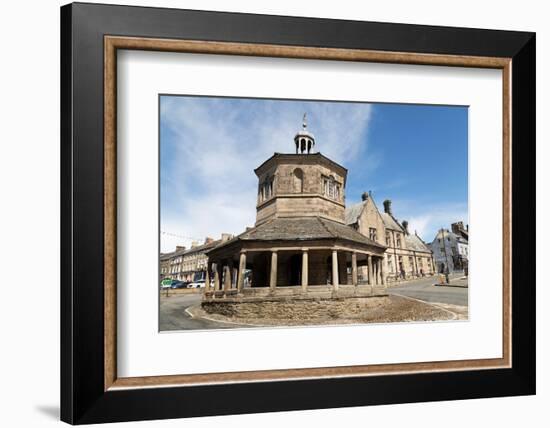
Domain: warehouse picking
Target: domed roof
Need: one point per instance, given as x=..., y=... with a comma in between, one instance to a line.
x=304, y=133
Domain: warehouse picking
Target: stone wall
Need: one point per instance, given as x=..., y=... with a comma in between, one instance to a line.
x=370, y=217
x=304, y=309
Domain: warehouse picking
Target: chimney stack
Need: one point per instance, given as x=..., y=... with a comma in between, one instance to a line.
x=208, y=240
x=194, y=244
x=226, y=237
x=180, y=247
x=387, y=206
x=405, y=225
x=457, y=227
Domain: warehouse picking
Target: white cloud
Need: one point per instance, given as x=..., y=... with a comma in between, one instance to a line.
x=211, y=186
x=427, y=219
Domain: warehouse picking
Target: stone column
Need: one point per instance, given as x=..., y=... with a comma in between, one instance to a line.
x=378, y=271
x=354, y=268
x=335, y=269
x=217, y=276
x=207, y=277
x=273, y=275
x=371, y=273
x=305, y=267
x=240, y=274
x=383, y=270
x=227, y=277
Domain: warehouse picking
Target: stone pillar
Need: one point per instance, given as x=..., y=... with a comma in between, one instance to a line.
x=335, y=269
x=207, y=277
x=273, y=275
x=234, y=277
x=217, y=276
x=305, y=267
x=383, y=270
x=240, y=274
x=354, y=268
x=227, y=277
x=378, y=271
x=371, y=273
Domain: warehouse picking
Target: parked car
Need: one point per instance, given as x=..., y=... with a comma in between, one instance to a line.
x=179, y=284
x=197, y=284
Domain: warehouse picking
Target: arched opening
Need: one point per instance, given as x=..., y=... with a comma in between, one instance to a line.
x=302, y=145
x=298, y=180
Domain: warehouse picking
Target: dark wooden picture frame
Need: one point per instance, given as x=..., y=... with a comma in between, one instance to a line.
x=90, y=37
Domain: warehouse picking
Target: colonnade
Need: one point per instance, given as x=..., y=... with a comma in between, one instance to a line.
x=225, y=271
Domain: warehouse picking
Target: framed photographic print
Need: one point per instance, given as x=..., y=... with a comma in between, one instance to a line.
x=292, y=213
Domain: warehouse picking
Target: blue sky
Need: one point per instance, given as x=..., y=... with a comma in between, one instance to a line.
x=415, y=155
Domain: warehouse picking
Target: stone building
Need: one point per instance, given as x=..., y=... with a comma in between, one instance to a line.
x=188, y=264
x=300, y=244
x=451, y=249
x=170, y=263
x=406, y=256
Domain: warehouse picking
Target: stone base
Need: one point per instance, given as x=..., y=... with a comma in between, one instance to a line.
x=302, y=308
x=292, y=293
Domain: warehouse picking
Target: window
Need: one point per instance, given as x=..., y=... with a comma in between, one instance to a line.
x=388, y=239
x=265, y=190
x=331, y=188
x=398, y=239
x=372, y=233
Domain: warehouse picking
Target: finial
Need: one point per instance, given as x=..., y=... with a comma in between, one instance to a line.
x=304, y=121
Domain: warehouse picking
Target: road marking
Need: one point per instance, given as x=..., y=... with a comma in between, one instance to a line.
x=454, y=314
x=206, y=317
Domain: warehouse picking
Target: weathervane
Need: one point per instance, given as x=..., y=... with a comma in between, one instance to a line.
x=304, y=121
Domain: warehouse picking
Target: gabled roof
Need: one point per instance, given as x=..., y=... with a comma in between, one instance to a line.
x=353, y=212
x=391, y=223
x=198, y=248
x=298, y=229
x=413, y=242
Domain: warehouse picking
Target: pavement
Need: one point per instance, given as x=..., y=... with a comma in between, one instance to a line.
x=456, y=293
x=173, y=315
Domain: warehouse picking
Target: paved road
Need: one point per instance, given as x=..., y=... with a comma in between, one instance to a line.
x=174, y=317
x=424, y=289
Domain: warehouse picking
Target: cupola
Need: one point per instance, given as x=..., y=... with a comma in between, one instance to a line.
x=304, y=140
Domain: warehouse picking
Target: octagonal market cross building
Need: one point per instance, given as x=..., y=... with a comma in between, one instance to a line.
x=300, y=245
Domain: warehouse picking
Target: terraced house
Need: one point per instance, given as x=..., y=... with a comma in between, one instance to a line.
x=407, y=256
x=188, y=264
